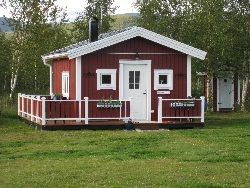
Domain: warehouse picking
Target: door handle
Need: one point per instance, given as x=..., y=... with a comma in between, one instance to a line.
x=144, y=93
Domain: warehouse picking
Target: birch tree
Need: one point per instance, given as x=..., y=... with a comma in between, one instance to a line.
x=101, y=9
x=5, y=54
x=37, y=30
x=220, y=27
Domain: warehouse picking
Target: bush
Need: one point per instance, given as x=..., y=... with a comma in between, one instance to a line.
x=8, y=107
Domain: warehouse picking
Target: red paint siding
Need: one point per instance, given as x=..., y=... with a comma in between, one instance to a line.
x=102, y=59
x=58, y=67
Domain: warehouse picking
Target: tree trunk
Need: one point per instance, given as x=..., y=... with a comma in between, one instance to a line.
x=210, y=92
x=245, y=83
x=13, y=83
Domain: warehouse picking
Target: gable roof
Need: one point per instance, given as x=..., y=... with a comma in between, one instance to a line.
x=108, y=39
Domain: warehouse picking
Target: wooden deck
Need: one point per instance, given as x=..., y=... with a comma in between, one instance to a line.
x=114, y=125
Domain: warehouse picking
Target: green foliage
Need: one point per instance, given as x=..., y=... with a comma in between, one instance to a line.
x=217, y=26
x=39, y=29
x=122, y=21
x=95, y=8
x=5, y=61
x=216, y=156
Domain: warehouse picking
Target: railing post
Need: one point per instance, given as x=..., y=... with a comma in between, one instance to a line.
x=23, y=95
x=80, y=110
x=18, y=103
x=27, y=107
x=37, y=108
x=43, y=111
x=86, y=110
x=159, y=109
x=202, y=109
x=32, y=108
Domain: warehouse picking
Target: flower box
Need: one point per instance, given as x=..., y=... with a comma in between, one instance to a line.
x=109, y=105
x=189, y=104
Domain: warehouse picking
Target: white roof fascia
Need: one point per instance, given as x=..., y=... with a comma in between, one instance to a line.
x=137, y=32
x=171, y=43
x=54, y=56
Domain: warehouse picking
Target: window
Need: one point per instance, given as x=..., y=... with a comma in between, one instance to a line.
x=134, y=79
x=163, y=79
x=65, y=84
x=106, y=79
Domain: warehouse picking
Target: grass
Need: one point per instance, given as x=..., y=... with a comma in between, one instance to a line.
x=216, y=156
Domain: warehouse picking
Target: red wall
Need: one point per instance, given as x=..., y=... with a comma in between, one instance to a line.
x=58, y=67
x=102, y=60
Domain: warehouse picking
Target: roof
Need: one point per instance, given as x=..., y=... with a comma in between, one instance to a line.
x=114, y=37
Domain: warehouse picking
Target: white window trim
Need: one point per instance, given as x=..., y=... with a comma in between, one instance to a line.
x=111, y=72
x=168, y=72
x=65, y=91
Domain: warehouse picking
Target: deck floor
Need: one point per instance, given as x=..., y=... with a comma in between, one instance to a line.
x=116, y=124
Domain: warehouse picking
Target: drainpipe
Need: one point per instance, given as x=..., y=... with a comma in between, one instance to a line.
x=50, y=76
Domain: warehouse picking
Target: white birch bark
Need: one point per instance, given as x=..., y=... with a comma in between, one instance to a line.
x=245, y=83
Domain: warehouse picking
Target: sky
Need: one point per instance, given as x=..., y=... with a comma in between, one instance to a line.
x=73, y=6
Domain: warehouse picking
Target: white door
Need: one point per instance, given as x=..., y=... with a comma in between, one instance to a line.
x=225, y=93
x=135, y=85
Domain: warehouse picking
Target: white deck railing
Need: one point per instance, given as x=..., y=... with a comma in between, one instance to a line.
x=181, y=109
x=41, y=109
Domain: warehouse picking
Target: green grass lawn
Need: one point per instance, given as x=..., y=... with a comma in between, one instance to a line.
x=216, y=156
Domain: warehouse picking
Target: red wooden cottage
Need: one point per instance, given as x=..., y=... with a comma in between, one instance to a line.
x=133, y=73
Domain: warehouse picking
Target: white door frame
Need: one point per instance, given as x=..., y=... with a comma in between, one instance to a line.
x=121, y=81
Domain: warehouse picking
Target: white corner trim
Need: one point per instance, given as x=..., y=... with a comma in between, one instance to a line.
x=121, y=80
x=78, y=78
x=50, y=80
x=137, y=32
x=111, y=72
x=189, y=76
x=169, y=73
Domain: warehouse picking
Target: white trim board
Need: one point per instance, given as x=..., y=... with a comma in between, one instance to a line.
x=189, y=76
x=78, y=78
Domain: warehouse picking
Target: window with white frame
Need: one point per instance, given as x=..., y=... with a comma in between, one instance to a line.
x=163, y=79
x=65, y=84
x=106, y=79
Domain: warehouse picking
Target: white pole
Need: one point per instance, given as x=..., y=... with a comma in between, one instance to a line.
x=23, y=95
x=80, y=109
x=159, y=109
x=202, y=109
x=86, y=110
x=43, y=111
x=27, y=106
x=18, y=103
x=37, y=108
x=32, y=108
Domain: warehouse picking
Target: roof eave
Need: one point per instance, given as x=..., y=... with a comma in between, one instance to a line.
x=137, y=32
x=46, y=58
